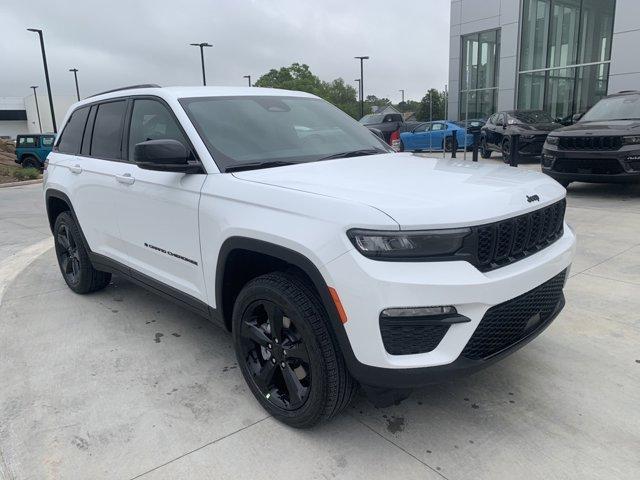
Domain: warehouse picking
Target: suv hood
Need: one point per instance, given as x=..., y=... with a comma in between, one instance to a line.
x=537, y=127
x=612, y=127
x=419, y=192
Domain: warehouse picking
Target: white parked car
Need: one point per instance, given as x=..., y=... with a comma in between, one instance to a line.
x=334, y=261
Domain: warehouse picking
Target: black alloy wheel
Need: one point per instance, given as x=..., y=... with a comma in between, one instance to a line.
x=73, y=259
x=448, y=144
x=506, y=150
x=68, y=256
x=484, y=150
x=286, y=350
x=276, y=355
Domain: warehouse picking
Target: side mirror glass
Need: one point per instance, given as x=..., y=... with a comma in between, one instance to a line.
x=164, y=155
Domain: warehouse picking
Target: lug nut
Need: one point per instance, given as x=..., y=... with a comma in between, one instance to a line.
x=283, y=364
x=276, y=340
x=269, y=346
x=273, y=360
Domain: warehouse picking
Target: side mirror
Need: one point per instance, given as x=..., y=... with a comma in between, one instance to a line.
x=164, y=155
x=576, y=117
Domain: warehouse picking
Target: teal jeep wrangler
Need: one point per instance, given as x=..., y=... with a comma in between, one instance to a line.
x=32, y=150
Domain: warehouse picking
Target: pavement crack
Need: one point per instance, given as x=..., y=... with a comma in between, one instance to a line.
x=399, y=447
x=200, y=448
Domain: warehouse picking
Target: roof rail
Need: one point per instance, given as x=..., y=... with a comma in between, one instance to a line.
x=131, y=87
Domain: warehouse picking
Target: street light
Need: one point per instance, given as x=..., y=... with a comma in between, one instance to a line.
x=402, y=91
x=362, y=59
x=46, y=76
x=37, y=108
x=202, y=45
x=248, y=77
x=75, y=74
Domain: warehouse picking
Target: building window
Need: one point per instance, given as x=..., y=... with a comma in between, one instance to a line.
x=565, y=49
x=479, y=74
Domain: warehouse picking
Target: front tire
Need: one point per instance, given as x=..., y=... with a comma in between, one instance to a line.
x=287, y=353
x=448, y=144
x=484, y=150
x=506, y=151
x=30, y=162
x=73, y=258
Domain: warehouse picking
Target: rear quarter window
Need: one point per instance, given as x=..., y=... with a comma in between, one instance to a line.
x=71, y=136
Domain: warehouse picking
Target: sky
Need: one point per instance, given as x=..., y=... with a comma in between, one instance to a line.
x=115, y=43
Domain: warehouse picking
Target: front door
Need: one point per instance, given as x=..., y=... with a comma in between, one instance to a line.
x=158, y=212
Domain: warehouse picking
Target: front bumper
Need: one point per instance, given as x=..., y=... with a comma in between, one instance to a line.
x=606, y=166
x=366, y=287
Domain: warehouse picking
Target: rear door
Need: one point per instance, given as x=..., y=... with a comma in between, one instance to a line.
x=438, y=131
x=158, y=211
x=89, y=149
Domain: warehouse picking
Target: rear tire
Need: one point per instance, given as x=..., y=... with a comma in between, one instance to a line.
x=30, y=162
x=73, y=258
x=287, y=353
x=448, y=144
x=484, y=151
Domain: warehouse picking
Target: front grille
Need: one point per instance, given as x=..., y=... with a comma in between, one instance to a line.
x=506, y=324
x=507, y=241
x=408, y=336
x=532, y=146
x=593, y=166
x=590, y=143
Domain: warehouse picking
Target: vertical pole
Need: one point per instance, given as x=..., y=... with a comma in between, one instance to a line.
x=361, y=88
x=204, y=78
x=249, y=79
x=35, y=96
x=430, y=121
x=46, y=76
x=75, y=76
x=466, y=116
x=446, y=115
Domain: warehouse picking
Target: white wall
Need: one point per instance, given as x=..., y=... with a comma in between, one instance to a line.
x=61, y=104
x=624, y=73
x=469, y=16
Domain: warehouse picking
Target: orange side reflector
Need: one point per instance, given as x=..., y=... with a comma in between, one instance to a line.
x=336, y=301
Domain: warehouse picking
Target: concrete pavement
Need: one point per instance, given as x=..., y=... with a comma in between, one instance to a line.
x=122, y=384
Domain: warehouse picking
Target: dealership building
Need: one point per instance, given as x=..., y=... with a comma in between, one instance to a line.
x=560, y=56
x=29, y=114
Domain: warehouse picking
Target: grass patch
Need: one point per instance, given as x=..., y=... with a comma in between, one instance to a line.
x=26, y=174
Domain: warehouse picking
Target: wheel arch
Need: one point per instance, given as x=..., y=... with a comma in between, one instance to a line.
x=263, y=257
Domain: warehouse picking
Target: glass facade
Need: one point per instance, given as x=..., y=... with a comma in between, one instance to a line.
x=479, y=74
x=565, y=49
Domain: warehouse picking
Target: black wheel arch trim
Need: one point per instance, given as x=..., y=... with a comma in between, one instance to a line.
x=299, y=261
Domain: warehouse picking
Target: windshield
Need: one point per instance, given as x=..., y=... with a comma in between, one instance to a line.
x=266, y=129
x=530, y=116
x=371, y=119
x=624, y=107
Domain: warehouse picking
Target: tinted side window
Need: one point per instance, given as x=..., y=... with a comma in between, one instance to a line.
x=47, y=141
x=27, y=142
x=151, y=120
x=106, y=141
x=71, y=136
x=438, y=126
x=421, y=128
x=393, y=117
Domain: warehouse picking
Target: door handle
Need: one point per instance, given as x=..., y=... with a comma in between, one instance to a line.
x=125, y=178
x=75, y=168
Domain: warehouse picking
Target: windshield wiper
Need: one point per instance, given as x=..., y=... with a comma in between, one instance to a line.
x=354, y=153
x=257, y=165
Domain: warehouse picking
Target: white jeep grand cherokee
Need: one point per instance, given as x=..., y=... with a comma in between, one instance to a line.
x=333, y=261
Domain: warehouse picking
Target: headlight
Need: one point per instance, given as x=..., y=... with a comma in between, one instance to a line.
x=553, y=140
x=631, y=140
x=414, y=245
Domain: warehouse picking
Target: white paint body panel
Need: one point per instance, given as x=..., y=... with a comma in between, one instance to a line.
x=309, y=208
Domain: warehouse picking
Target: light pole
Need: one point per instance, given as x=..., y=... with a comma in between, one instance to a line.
x=46, y=76
x=35, y=96
x=248, y=77
x=75, y=75
x=402, y=92
x=362, y=59
x=202, y=45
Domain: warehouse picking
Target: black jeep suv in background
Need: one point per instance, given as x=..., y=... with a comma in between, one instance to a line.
x=603, y=146
x=532, y=126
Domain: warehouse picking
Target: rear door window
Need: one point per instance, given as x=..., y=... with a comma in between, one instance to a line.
x=71, y=136
x=106, y=141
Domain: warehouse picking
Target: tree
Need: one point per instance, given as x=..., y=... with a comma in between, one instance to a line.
x=437, y=108
x=299, y=77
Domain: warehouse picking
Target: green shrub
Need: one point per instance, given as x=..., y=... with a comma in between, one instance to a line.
x=26, y=174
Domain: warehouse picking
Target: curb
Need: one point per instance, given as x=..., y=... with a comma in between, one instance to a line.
x=18, y=184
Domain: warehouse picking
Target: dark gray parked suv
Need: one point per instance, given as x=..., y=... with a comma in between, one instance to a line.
x=603, y=146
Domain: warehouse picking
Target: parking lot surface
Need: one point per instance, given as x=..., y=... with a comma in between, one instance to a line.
x=122, y=384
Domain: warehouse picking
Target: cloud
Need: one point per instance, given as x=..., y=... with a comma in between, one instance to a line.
x=119, y=43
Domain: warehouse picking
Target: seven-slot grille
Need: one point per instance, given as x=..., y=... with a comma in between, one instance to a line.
x=507, y=323
x=590, y=143
x=510, y=240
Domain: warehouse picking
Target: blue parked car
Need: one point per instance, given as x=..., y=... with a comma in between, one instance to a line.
x=32, y=150
x=432, y=136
